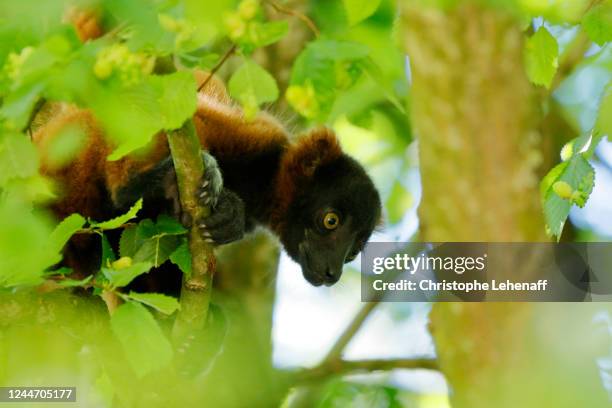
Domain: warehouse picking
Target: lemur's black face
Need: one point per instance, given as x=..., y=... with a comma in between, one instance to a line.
x=332, y=220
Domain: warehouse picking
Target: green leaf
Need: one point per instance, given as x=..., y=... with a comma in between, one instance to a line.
x=64, y=230
x=122, y=277
x=24, y=255
x=541, y=57
x=18, y=105
x=151, y=242
x=324, y=67
x=400, y=200
x=157, y=250
x=580, y=176
x=181, y=257
x=142, y=340
x=71, y=283
x=263, y=34
x=339, y=50
x=143, y=26
x=597, y=23
x=169, y=226
x=120, y=220
x=251, y=84
x=359, y=10
x=177, y=98
x=18, y=157
x=130, y=116
x=550, y=179
x=129, y=241
x=163, y=303
x=108, y=255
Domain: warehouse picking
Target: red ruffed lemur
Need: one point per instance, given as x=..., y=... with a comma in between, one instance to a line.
x=319, y=201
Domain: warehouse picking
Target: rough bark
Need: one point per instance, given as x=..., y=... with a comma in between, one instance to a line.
x=476, y=118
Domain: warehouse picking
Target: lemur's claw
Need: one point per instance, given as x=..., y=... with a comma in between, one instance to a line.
x=212, y=183
x=225, y=223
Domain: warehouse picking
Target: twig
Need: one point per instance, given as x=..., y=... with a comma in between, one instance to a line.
x=341, y=367
x=281, y=9
x=571, y=58
x=335, y=353
x=216, y=67
x=196, y=290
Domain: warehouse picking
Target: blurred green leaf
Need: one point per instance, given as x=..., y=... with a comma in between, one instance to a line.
x=133, y=115
x=18, y=157
x=142, y=25
x=252, y=85
x=181, y=257
x=541, y=57
x=141, y=338
x=64, y=230
x=163, y=303
x=18, y=105
x=65, y=146
x=24, y=253
x=597, y=22
x=122, y=277
x=358, y=10
x=323, y=68
x=263, y=34
x=71, y=283
x=207, y=18
x=177, y=98
x=120, y=220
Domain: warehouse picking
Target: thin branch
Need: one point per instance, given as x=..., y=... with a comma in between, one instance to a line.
x=335, y=353
x=218, y=66
x=285, y=10
x=342, y=367
x=196, y=290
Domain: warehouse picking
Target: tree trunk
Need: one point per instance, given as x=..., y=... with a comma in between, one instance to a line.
x=476, y=118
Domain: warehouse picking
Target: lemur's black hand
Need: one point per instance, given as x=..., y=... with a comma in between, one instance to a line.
x=225, y=223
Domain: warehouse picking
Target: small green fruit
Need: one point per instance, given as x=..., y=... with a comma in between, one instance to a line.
x=236, y=26
x=122, y=263
x=103, y=68
x=248, y=9
x=563, y=189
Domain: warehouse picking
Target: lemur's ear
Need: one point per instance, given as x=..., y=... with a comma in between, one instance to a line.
x=298, y=165
x=318, y=147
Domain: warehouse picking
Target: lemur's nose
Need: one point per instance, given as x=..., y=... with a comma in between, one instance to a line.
x=331, y=276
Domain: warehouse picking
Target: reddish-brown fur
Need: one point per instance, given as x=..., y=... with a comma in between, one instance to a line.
x=90, y=177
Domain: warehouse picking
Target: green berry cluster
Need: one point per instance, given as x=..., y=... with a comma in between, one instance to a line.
x=240, y=23
x=182, y=28
x=14, y=63
x=130, y=67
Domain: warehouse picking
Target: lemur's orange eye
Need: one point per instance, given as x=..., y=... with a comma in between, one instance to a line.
x=331, y=220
